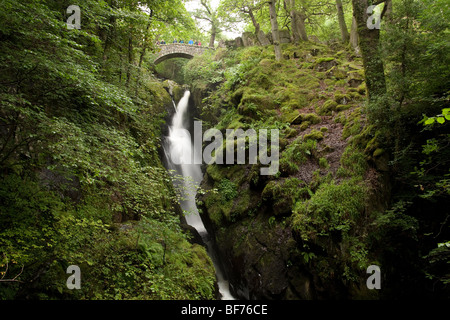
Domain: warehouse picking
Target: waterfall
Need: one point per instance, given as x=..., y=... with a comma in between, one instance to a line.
x=180, y=145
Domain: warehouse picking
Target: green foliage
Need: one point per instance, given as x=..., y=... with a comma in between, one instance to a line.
x=227, y=190
x=79, y=158
x=296, y=154
x=203, y=69
x=444, y=116
x=333, y=206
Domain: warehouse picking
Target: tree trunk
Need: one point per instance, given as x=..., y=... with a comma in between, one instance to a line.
x=354, y=35
x=297, y=22
x=212, y=40
x=290, y=8
x=275, y=32
x=342, y=25
x=130, y=59
x=369, y=44
x=301, y=25
x=144, y=50
x=262, y=39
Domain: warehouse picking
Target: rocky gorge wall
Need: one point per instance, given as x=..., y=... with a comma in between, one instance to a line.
x=305, y=233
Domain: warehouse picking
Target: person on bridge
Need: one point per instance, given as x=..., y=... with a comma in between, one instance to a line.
x=191, y=42
x=196, y=42
x=199, y=43
x=163, y=42
x=175, y=41
x=181, y=41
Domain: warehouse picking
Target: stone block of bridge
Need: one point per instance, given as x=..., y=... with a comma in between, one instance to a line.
x=179, y=50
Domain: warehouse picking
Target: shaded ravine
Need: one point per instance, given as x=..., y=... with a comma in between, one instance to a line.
x=178, y=148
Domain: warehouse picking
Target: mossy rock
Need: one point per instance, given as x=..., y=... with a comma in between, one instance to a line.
x=314, y=135
x=290, y=133
x=282, y=194
x=236, y=97
x=362, y=89
x=355, y=83
x=287, y=167
x=289, y=116
x=354, y=95
x=343, y=107
x=328, y=107
x=341, y=98
x=305, y=125
x=215, y=172
x=330, y=82
x=378, y=152
x=325, y=63
x=265, y=63
x=312, y=118
x=336, y=73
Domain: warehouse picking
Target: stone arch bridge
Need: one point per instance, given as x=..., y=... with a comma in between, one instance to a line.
x=179, y=50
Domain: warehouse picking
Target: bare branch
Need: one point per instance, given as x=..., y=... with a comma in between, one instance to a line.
x=6, y=271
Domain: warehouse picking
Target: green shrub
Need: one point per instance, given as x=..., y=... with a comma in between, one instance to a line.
x=227, y=189
x=334, y=207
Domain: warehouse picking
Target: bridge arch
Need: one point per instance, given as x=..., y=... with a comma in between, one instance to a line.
x=178, y=50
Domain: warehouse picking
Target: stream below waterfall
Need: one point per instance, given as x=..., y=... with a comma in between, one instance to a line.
x=177, y=146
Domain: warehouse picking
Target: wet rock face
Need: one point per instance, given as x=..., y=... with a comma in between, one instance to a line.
x=259, y=257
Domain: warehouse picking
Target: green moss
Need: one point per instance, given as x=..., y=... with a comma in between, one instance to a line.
x=343, y=107
x=290, y=132
x=341, y=98
x=296, y=154
x=287, y=166
x=372, y=145
x=314, y=135
x=215, y=172
x=265, y=63
x=311, y=118
x=289, y=116
x=256, y=100
x=242, y=206
x=283, y=194
x=327, y=107
x=378, y=152
x=353, y=163
x=334, y=207
x=353, y=124
x=323, y=163
x=324, y=59
x=214, y=211
x=305, y=125
x=337, y=73
x=330, y=83
x=362, y=89
x=227, y=190
x=354, y=95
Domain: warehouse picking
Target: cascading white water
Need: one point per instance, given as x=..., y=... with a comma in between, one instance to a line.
x=179, y=145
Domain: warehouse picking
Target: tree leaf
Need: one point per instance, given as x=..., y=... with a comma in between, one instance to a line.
x=429, y=121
